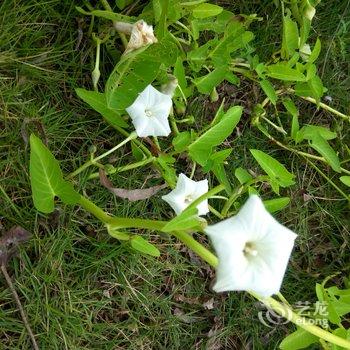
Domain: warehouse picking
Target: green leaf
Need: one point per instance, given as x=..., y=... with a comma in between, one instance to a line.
x=217, y=158
x=232, y=78
x=269, y=90
x=186, y=220
x=123, y=3
x=316, y=87
x=46, y=178
x=98, y=102
x=290, y=40
x=200, y=150
x=273, y=168
x=143, y=246
x=220, y=173
x=315, y=52
x=235, y=39
x=201, y=53
x=137, y=152
x=282, y=72
x=345, y=180
x=206, y=83
x=303, y=89
x=308, y=132
x=181, y=141
x=290, y=106
x=115, y=233
x=206, y=10
x=320, y=292
x=130, y=76
x=242, y=175
x=179, y=72
x=292, y=109
x=342, y=333
x=300, y=339
x=136, y=70
x=322, y=146
x=276, y=204
x=167, y=170
x=341, y=308
x=106, y=15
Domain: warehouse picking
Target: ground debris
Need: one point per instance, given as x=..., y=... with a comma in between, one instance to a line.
x=131, y=195
x=9, y=242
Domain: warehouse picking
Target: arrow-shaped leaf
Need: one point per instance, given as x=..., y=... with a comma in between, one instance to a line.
x=47, y=179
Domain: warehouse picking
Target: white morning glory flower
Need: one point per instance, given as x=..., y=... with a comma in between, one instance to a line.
x=253, y=250
x=185, y=192
x=149, y=113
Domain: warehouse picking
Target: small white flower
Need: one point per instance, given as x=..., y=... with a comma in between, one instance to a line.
x=253, y=250
x=149, y=113
x=141, y=35
x=185, y=192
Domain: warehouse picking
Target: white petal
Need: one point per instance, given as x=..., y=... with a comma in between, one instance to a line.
x=185, y=188
x=176, y=202
x=261, y=272
x=160, y=127
x=159, y=105
x=137, y=109
x=185, y=185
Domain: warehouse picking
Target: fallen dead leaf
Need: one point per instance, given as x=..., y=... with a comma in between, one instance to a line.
x=131, y=195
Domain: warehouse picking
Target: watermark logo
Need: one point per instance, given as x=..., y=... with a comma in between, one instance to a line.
x=315, y=313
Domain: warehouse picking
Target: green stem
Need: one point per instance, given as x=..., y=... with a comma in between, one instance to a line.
x=302, y=322
x=93, y=161
x=132, y=136
x=174, y=125
x=278, y=128
x=118, y=223
x=137, y=142
x=329, y=180
x=238, y=192
x=212, y=260
x=108, y=7
x=198, y=248
x=94, y=209
x=231, y=200
x=215, y=212
x=328, y=108
x=304, y=154
x=126, y=167
x=210, y=193
x=324, y=106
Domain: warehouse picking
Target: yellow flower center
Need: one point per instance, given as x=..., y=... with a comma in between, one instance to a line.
x=148, y=113
x=250, y=250
x=188, y=199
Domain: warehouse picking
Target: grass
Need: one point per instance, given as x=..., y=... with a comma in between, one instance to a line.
x=81, y=289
